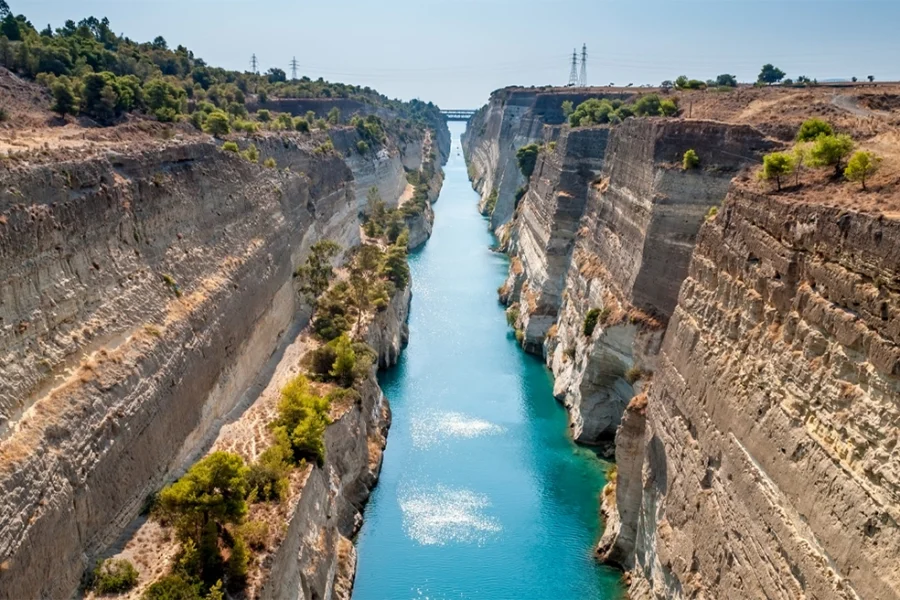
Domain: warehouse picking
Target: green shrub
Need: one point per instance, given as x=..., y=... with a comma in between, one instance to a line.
x=217, y=123
x=263, y=115
x=690, y=160
x=270, y=163
x=812, y=129
x=255, y=533
x=362, y=147
x=326, y=147
x=711, y=213
x=114, y=576
x=304, y=416
x=491, y=202
x=316, y=273
x=648, y=105
x=668, y=108
x=251, y=154
x=230, y=147
x=267, y=478
x=173, y=587
x=301, y=125
x=520, y=335
x=526, y=157
x=590, y=322
x=512, y=316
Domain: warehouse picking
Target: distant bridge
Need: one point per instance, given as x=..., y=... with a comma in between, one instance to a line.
x=458, y=114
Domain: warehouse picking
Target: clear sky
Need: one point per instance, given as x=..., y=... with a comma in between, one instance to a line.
x=455, y=52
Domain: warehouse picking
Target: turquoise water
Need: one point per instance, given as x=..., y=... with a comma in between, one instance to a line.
x=482, y=494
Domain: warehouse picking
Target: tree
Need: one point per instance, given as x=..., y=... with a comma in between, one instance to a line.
x=395, y=267
x=363, y=272
x=64, y=100
x=667, y=85
x=776, y=166
x=526, y=157
x=681, y=82
x=217, y=123
x=344, y=364
x=209, y=496
x=726, y=80
x=813, y=128
x=854, y=79
x=799, y=156
x=159, y=42
x=163, y=99
x=831, y=150
x=316, y=274
x=100, y=98
x=4, y=9
x=276, y=75
x=334, y=115
x=690, y=160
x=770, y=74
x=871, y=78
x=861, y=166
x=567, y=108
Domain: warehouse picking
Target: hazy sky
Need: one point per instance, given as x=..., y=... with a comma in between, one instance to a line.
x=455, y=52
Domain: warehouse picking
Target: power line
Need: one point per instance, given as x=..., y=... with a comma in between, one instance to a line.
x=294, y=69
x=254, y=64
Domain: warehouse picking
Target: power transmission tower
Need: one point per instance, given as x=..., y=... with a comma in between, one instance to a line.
x=582, y=81
x=573, y=74
x=254, y=64
x=294, y=69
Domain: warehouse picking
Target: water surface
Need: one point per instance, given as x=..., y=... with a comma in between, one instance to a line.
x=482, y=495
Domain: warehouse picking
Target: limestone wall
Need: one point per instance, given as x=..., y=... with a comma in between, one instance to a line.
x=770, y=465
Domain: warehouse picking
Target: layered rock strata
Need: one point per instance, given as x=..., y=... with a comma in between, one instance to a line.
x=143, y=292
x=608, y=225
x=770, y=462
x=514, y=117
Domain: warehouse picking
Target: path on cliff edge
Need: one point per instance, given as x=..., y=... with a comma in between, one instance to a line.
x=482, y=495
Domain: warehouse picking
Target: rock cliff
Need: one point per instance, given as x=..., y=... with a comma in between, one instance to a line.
x=746, y=363
x=771, y=460
x=514, y=117
x=144, y=292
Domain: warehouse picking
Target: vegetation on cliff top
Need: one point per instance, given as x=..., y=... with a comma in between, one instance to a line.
x=92, y=71
x=819, y=146
x=597, y=111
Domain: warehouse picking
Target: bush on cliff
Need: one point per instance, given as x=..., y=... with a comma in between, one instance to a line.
x=231, y=147
x=217, y=123
x=526, y=157
x=812, y=129
x=267, y=478
x=491, y=203
x=303, y=417
x=332, y=316
x=114, y=576
x=690, y=160
x=395, y=267
x=590, y=322
x=316, y=273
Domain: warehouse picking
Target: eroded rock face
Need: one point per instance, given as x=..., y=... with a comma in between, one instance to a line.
x=142, y=294
x=771, y=468
x=608, y=225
